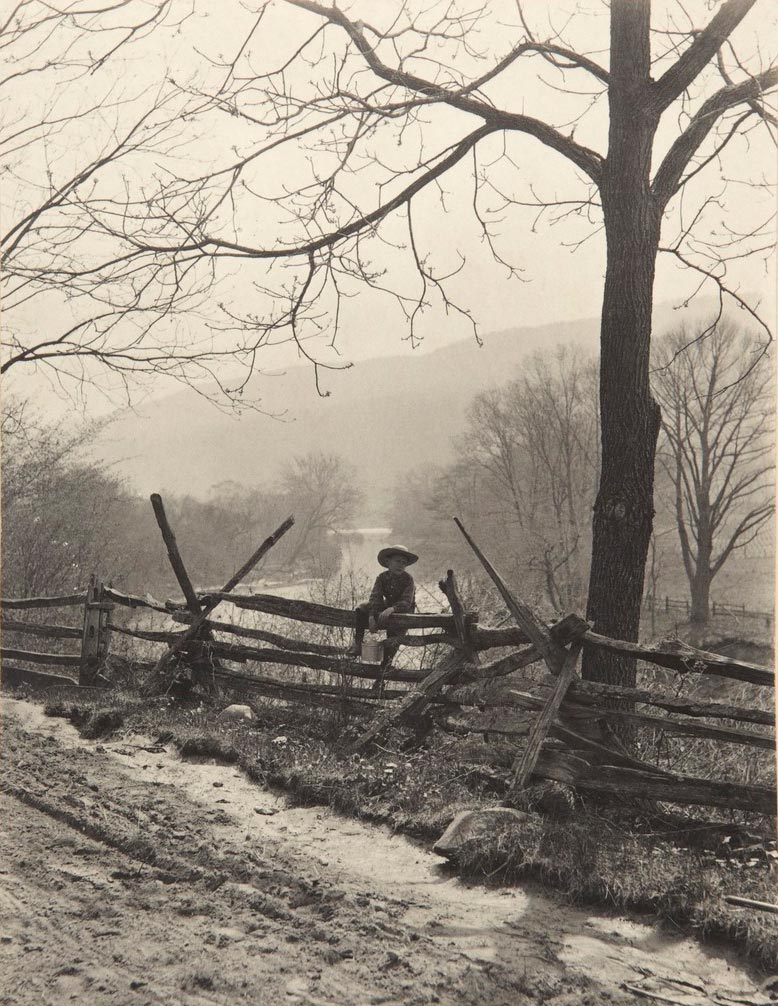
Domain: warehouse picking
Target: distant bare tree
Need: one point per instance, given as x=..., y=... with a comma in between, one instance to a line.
x=322, y=490
x=716, y=390
x=58, y=508
x=536, y=442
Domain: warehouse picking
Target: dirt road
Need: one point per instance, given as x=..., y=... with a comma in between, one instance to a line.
x=128, y=876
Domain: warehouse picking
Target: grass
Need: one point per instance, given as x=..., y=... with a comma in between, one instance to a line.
x=671, y=866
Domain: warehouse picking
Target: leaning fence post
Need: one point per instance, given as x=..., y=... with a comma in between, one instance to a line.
x=90, y=639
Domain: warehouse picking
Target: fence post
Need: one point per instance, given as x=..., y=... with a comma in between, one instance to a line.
x=95, y=638
x=667, y=602
x=90, y=639
x=103, y=632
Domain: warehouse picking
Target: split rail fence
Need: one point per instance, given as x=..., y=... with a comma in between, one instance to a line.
x=559, y=726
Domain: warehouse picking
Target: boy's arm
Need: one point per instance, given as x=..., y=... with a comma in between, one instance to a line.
x=376, y=599
x=407, y=598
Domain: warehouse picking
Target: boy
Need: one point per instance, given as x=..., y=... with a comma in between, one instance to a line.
x=394, y=592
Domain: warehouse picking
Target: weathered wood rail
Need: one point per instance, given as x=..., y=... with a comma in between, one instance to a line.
x=557, y=722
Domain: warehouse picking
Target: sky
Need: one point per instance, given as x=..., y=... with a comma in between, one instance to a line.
x=560, y=267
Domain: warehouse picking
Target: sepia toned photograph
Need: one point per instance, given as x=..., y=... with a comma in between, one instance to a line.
x=388, y=479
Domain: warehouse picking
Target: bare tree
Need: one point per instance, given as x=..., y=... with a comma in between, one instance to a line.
x=323, y=491
x=83, y=133
x=387, y=112
x=717, y=397
x=535, y=442
x=58, y=507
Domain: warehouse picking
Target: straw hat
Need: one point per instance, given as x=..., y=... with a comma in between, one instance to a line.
x=391, y=550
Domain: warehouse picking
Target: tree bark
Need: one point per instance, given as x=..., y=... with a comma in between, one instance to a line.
x=700, y=582
x=623, y=511
x=700, y=590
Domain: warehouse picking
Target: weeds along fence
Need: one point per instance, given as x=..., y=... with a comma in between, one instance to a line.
x=558, y=727
x=515, y=692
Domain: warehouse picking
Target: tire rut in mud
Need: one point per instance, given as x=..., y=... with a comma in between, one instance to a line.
x=200, y=914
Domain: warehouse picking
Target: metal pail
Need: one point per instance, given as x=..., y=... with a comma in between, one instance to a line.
x=372, y=651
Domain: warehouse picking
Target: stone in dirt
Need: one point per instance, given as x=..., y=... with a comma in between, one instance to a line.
x=471, y=825
x=235, y=712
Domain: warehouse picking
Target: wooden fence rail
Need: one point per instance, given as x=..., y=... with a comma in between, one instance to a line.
x=683, y=604
x=554, y=720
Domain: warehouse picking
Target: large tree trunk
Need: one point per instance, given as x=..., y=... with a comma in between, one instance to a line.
x=699, y=583
x=700, y=590
x=623, y=511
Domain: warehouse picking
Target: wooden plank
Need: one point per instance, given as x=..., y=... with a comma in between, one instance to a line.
x=525, y=763
x=51, y=631
x=463, y=629
x=486, y=638
x=415, y=701
x=272, y=690
x=595, y=691
x=575, y=739
x=20, y=603
x=302, y=645
x=505, y=665
x=345, y=666
x=34, y=657
x=679, y=656
x=174, y=555
x=12, y=676
x=152, y=635
x=584, y=692
x=674, y=655
x=132, y=601
x=210, y=604
x=90, y=637
x=324, y=614
x=181, y=574
x=538, y=635
x=304, y=688
x=575, y=771
x=684, y=728
x=274, y=638
x=563, y=632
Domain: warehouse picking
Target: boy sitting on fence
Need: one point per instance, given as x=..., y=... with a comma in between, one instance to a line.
x=393, y=593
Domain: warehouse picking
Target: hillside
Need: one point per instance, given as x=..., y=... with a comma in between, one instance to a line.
x=384, y=415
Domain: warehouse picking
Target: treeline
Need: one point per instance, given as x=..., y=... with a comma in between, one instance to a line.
x=525, y=475
x=524, y=481
x=66, y=516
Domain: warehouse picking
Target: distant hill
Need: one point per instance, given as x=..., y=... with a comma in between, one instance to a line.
x=385, y=416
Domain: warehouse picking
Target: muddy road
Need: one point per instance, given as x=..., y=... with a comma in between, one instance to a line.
x=130, y=877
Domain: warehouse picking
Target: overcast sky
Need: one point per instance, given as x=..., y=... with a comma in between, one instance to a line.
x=561, y=278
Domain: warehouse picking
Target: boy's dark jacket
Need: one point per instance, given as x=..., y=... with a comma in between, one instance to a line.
x=393, y=590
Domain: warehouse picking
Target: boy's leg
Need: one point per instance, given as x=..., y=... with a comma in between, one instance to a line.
x=362, y=612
